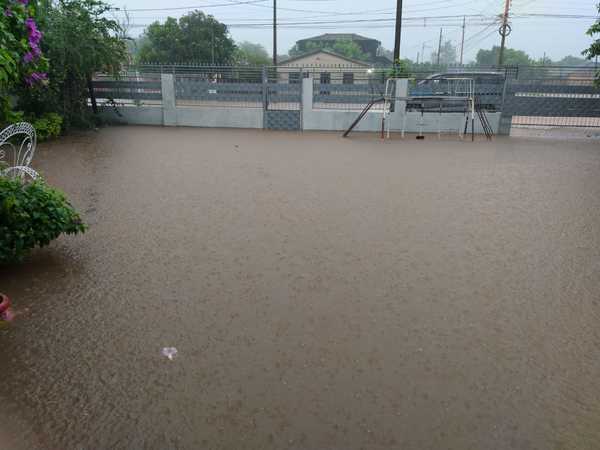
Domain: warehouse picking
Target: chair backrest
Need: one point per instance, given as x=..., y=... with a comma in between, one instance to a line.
x=17, y=145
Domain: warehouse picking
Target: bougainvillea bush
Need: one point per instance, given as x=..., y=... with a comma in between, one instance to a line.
x=22, y=64
x=80, y=39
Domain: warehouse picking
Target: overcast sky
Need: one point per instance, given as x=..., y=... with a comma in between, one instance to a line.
x=251, y=20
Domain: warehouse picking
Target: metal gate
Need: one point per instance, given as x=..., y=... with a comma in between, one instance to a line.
x=283, y=105
x=565, y=102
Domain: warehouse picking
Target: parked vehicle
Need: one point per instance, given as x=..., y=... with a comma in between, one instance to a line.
x=487, y=86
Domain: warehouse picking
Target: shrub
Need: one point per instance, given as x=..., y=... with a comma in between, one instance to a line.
x=31, y=215
x=47, y=126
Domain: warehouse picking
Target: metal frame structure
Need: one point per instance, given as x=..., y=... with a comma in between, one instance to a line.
x=467, y=88
x=22, y=151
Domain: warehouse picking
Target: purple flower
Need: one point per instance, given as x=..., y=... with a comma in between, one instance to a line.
x=32, y=27
x=34, y=37
x=8, y=12
x=35, y=78
x=28, y=57
x=24, y=2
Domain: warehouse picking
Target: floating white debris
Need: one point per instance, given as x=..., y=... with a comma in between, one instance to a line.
x=169, y=352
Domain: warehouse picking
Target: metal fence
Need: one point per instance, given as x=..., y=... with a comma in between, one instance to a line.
x=527, y=96
x=129, y=89
x=572, y=102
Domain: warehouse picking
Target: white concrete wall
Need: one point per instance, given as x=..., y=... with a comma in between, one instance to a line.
x=312, y=119
x=134, y=115
x=192, y=116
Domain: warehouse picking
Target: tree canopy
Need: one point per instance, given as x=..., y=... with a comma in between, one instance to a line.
x=511, y=57
x=447, y=54
x=251, y=54
x=194, y=37
x=79, y=40
x=594, y=50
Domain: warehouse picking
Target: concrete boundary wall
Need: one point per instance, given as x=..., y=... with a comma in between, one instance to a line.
x=169, y=114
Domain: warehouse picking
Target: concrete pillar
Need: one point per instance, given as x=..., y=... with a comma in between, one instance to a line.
x=401, y=91
x=168, y=100
x=307, y=98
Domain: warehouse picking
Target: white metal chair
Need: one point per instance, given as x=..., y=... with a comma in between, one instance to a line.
x=17, y=146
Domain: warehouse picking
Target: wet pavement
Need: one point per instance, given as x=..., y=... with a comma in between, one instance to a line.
x=321, y=294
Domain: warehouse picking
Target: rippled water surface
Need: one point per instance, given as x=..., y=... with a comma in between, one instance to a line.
x=321, y=294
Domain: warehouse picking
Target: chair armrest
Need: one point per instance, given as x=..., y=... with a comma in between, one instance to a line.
x=20, y=172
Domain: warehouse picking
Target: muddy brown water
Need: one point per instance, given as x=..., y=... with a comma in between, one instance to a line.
x=323, y=294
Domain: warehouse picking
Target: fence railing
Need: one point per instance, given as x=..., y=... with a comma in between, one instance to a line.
x=129, y=89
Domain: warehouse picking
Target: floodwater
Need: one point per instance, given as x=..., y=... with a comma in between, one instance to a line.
x=321, y=293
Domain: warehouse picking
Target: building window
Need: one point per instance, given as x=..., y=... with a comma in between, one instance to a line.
x=348, y=78
x=325, y=78
x=294, y=77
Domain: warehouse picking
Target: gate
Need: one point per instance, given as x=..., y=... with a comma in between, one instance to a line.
x=283, y=102
x=564, y=102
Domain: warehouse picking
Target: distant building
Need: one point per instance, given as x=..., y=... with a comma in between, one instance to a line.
x=327, y=66
x=369, y=46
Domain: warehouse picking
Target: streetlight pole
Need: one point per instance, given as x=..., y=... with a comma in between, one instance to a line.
x=462, y=42
x=439, y=48
x=274, y=32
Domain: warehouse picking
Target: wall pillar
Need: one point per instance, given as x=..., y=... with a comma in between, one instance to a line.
x=168, y=100
x=307, y=98
x=401, y=91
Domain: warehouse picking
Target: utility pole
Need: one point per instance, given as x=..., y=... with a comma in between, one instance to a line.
x=417, y=58
x=423, y=52
x=398, y=31
x=504, y=31
x=439, y=48
x=274, y=32
x=462, y=41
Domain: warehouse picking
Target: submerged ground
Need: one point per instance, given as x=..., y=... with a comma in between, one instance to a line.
x=322, y=293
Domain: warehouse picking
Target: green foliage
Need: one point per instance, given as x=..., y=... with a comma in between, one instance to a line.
x=571, y=61
x=32, y=215
x=47, y=126
x=195, y=37
x=79, y=40
x=251, y=54
x=594, y=50
x=401, y=69
x=344, y=47
x=512, y=57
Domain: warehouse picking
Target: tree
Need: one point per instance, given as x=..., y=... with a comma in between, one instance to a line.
x=195, y=37
x=512, y=57
x=571, y=61
x=594, y=50
x=447, y=54
x=251, y=54
x=79, y=41
x=343, y=47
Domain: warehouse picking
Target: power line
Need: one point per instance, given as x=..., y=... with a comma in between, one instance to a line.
x=181, y=8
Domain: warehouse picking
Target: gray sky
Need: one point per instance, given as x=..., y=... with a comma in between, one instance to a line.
x=557, y=37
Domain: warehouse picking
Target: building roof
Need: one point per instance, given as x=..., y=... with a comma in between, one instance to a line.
x=320, y=50
x=338, y=37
